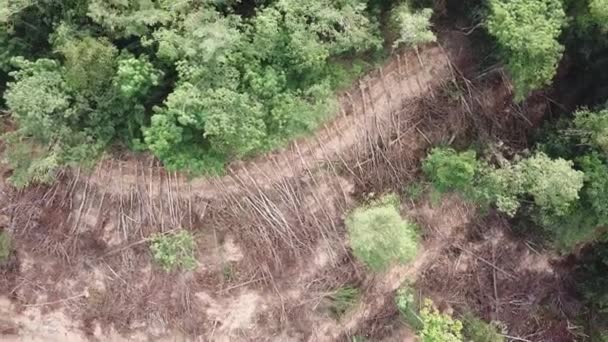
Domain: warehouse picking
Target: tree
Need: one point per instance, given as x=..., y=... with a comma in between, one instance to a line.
x=553, y=184
x=414, y=28
x=598, y=10
x=125, y=18
x=592, y=128
x=379, y=236
x=527, y=32
x=450, y=170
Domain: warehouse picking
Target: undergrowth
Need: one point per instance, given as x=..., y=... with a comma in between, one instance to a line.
x=431, y=325
x=174, y=251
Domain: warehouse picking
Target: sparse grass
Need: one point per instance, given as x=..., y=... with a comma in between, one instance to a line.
x=5, y=247
x=343, y=299
x=174, y=251
x=414, y=191
x=408, y=307
x=358, y=338
x=228, y=272
x=477, y=330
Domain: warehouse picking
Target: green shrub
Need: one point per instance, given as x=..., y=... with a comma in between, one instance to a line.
x=449, y=170
x=428, y=322
x=477, y=330
x=527, y=33
x=379, y=236
x=174, y=251
x=343, y=299
x=501, y=187
x=406, y=302
x=414, y=28
x=553, y=183
x=592, y=128
x=438, y=327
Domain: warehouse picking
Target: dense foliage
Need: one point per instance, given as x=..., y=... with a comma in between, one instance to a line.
x=553, y=184
x=527, y=32
x=437, y=326
x=379, y=236
x=422, y=315
x=196, y=83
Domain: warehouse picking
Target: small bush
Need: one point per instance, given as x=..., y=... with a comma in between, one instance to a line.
x=174, y=251
x=501, y=187
x=553, y=183
x=592, y=128
x=379, y=236
x=477, y=330
x=414, y=28
x=407, y=305
x=430, y=324
x=449, y=170
x=343, y=299
x=438, y=327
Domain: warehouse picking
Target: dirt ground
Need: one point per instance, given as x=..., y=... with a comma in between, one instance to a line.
x=270, y=234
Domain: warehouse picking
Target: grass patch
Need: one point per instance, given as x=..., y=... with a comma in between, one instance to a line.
x=477, y=330
x=343, y=299
x=6, y=247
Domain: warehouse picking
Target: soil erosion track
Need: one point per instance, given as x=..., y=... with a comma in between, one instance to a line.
x=364, y=111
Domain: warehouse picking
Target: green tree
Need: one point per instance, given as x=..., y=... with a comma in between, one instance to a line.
x=527, y=32
x=379, y=236
x=450, y=170
x=553, y=183
x=499, y=186
x=592, y=128
x=598, y=10
x=413, y=27
x=125, y=18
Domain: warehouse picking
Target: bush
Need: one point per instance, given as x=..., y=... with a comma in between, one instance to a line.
x=174, y=251
x=379, y=236
x=527, y=32
x=477, y=330
x=438, y=327
x=414, y=28
x=407, y=305
x=554, y=184
x=592, y=128
x=501, y=187
x=449, y=170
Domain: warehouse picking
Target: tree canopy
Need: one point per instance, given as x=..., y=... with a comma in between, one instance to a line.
x=196, y=83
